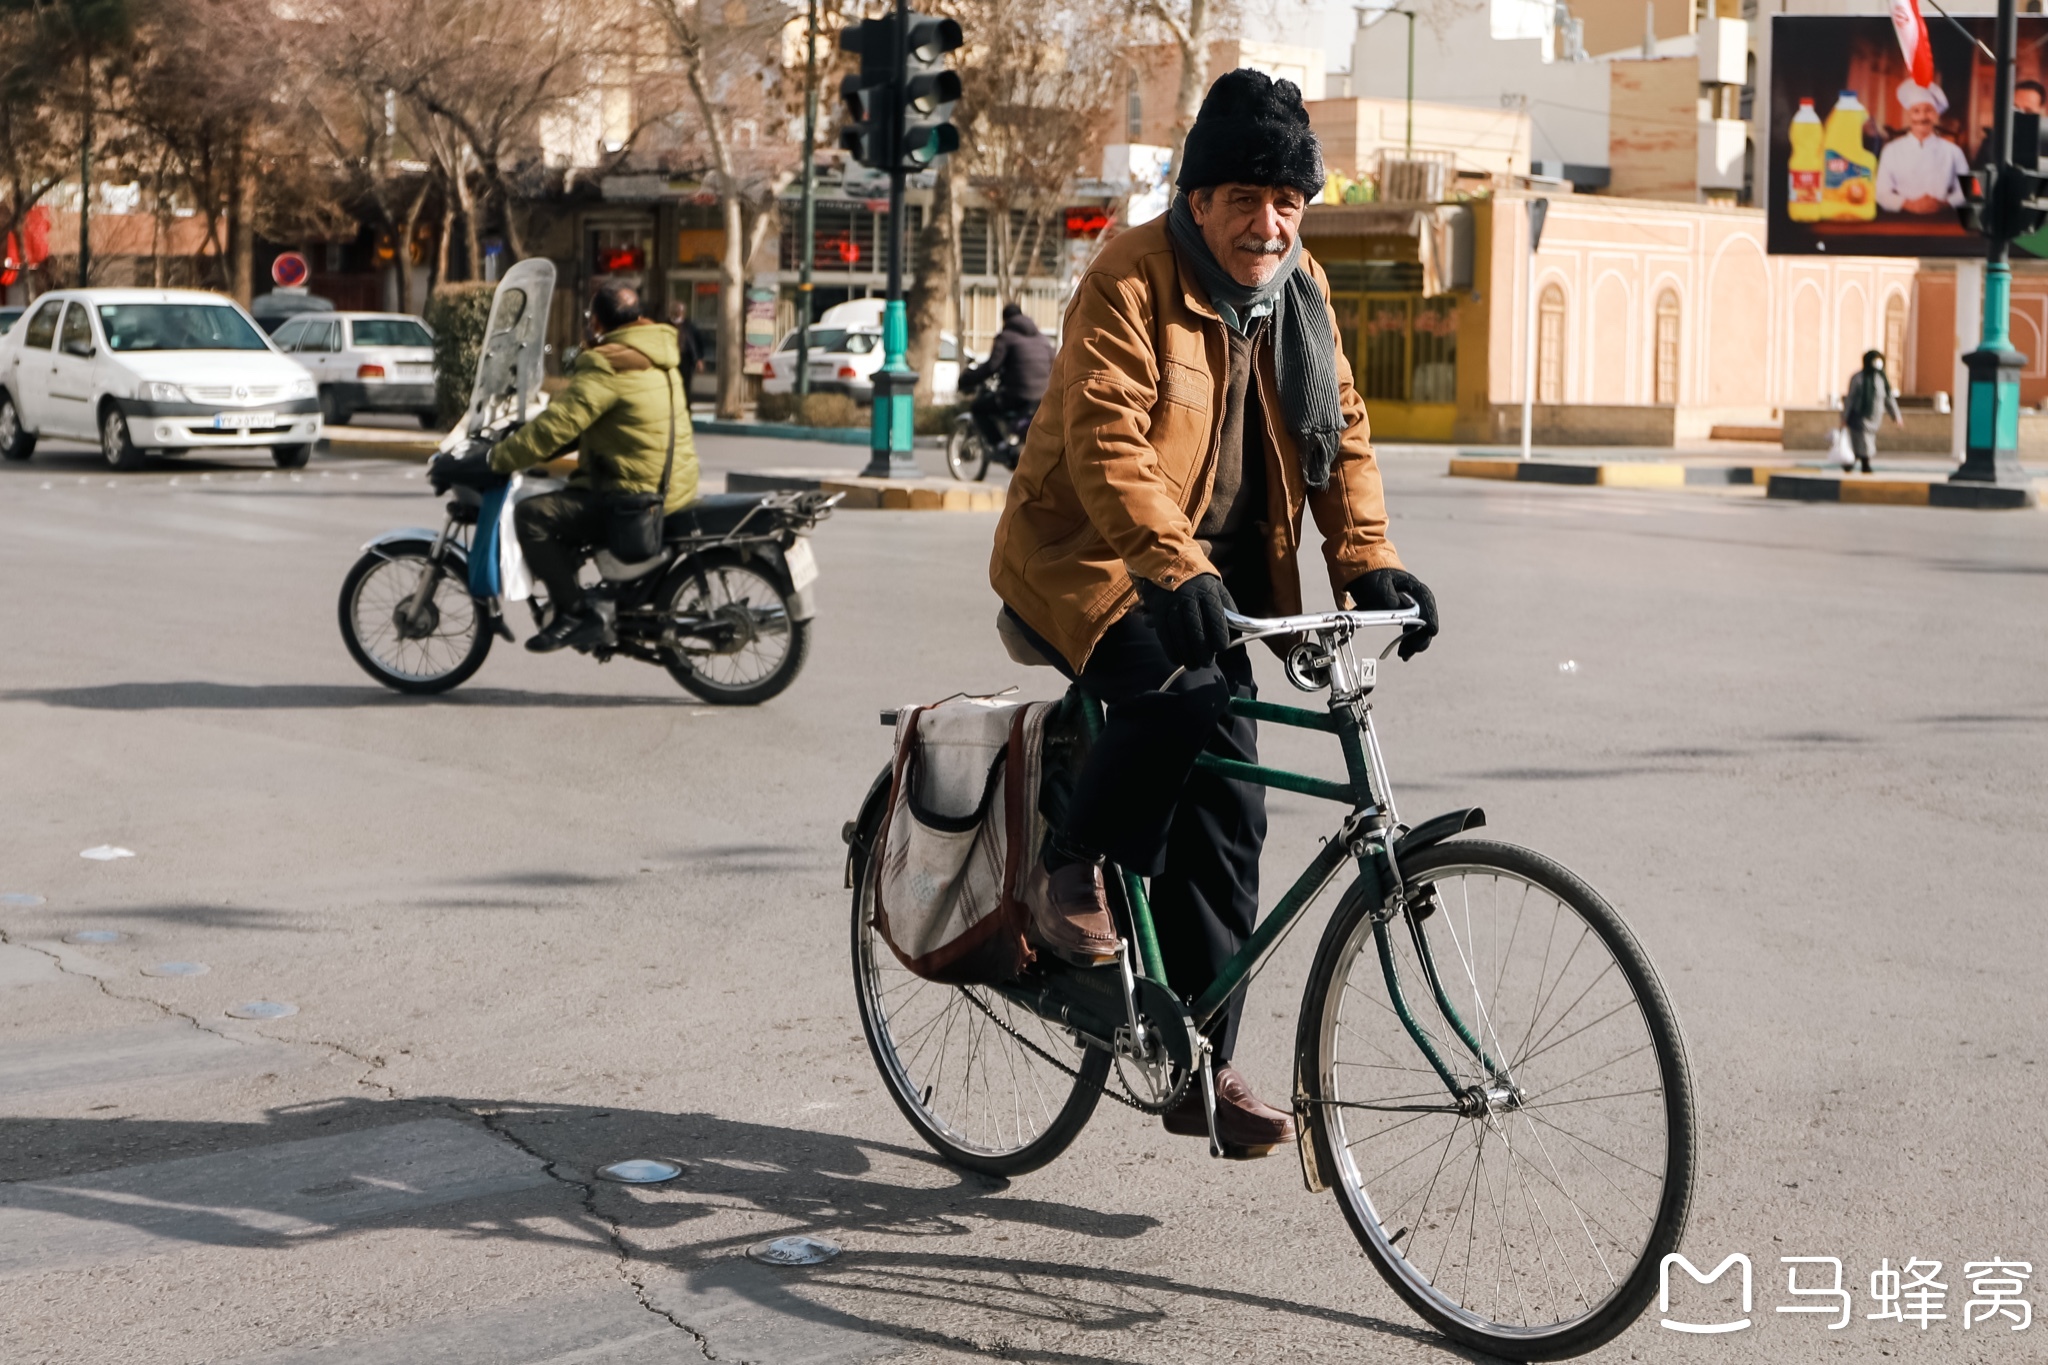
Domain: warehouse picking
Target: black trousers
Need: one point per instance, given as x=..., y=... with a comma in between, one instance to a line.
x=994, y=413
x=556, y=530
x=1139, y=801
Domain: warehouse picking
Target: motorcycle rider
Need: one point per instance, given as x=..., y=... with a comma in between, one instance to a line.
x=1021, y=358
x=1201, y=404
x=624, y=391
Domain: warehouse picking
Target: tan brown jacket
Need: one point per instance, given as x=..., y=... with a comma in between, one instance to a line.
x=1121, y=458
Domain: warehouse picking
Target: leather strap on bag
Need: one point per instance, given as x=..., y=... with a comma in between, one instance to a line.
x=668, y=465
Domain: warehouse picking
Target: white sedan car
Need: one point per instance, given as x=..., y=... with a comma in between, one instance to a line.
x=846, y=350
x=364, y=362
x=142, y=370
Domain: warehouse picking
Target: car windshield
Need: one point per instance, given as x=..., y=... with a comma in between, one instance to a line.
x=390, y=332
x=822, y=339
x=177, y=327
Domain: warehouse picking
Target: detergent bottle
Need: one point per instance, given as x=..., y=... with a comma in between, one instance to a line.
x=1849, y=182
x=1806, y=165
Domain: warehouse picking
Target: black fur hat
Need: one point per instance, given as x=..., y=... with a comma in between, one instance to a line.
x=1252, y=130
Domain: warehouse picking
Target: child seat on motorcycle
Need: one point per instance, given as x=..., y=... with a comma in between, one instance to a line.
x=957, y=851
x=715, y=514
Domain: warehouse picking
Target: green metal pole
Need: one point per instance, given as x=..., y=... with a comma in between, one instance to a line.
x=890, y=455
x=1992, y=437
x=807, y=236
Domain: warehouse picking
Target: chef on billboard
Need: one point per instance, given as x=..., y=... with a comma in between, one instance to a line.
x=1922, y=171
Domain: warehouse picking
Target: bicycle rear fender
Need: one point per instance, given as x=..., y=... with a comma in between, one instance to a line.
x=859, y=832
x=1435, y=831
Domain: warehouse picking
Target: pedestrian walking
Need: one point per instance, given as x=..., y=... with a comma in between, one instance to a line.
x=1869, y=398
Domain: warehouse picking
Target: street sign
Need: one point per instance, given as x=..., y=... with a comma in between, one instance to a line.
x=290, y=270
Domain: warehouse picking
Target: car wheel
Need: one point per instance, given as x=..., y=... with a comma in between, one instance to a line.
x=429, y=421
x=16, y=441
x=331, y=410
x=291, y=457
x=116, y=443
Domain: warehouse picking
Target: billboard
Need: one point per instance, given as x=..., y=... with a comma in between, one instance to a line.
x=1867, y=161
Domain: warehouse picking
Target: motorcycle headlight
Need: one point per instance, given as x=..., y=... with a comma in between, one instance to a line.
x=301, y=388
x=157, y=391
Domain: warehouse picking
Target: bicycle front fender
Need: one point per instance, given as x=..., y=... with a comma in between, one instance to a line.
x=1435, y=831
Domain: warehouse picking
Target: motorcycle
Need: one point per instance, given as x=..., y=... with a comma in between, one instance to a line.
x=968, y=453
x=726, y=606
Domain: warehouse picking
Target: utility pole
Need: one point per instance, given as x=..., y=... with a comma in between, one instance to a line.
x=1539, y=209
x=807, y=237
x=892, y=452
x=85, y=176
x=2004, y=208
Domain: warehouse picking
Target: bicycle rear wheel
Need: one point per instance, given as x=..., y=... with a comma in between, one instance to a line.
x=988, y=1084
x=1529, y=1216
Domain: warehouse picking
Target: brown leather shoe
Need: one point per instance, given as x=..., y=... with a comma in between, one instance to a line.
x=1071, y=919
x=1245, y=1124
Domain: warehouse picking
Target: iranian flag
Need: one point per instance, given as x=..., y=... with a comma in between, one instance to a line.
x=1912, y=31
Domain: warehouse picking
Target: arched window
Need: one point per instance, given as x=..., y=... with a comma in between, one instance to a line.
x=1550, y=345
x=1667, y=348
x=1895, y=340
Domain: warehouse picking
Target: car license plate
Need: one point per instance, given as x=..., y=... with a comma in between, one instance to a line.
x=237, y=421
x=803, y=566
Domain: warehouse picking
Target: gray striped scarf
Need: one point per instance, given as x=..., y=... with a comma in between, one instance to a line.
x=1304, y=352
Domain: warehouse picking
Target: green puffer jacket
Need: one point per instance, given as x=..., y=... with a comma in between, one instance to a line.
x=616, y=412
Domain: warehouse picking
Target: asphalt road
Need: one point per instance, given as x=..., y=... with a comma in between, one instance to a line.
x=568, y=915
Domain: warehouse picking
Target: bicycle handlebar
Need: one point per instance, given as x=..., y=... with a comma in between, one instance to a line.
x=1245, y=629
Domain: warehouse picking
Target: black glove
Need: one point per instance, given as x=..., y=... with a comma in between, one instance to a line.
x=1391, y=590
x=1189, y=618
x=471, y=469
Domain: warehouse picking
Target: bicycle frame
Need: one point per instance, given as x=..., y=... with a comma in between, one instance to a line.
x=1367, y=837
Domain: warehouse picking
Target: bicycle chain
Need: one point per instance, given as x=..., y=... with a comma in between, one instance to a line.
x=1124, y=1099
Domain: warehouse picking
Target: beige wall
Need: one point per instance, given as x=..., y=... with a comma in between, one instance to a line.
x=1156, y=72
x=1617, y=25
x=1756, y=333
x=1653, y=138
x=1354, y=132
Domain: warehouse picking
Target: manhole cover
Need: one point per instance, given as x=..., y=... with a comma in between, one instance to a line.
x=262, y=1009
x=176, y=969
x=640, y=1171
x=95, y=936
x=793, y=1251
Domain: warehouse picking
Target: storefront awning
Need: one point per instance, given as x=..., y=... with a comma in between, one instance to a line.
x=1434, y=228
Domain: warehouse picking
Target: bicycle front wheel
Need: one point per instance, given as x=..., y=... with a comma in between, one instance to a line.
x=1525, y=1205
x=988, y=1084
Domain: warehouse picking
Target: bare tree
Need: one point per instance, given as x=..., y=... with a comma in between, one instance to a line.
x=730, y=69
x=1042, y=83
x=37, y=149
x=1191, y=25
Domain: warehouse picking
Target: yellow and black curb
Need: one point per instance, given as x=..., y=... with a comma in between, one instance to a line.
x=1611, y=474
x=1898, y=492
x=1778, y=481
x=904, y=495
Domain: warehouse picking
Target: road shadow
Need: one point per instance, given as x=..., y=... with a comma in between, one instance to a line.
x=212, y=696
x=823, y=1184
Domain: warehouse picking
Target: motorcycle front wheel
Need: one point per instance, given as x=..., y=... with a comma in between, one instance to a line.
x=438, y=647
x=967, y=454
x=734, y=643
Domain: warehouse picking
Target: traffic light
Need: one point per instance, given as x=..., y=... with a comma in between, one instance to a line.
x=2011, y=201
x=866, y=97
x=930, y=90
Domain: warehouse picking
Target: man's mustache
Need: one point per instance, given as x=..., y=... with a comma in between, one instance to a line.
x=1261, y=246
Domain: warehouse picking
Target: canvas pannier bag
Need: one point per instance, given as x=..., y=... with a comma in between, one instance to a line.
x=958, y=845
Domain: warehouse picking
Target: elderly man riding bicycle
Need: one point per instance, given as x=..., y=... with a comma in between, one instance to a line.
x=1198, y=404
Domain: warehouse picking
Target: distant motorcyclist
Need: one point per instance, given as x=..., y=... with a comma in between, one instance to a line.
x=624, y=390
x=1021, y=361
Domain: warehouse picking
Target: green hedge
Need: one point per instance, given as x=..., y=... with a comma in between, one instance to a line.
x=458, y=313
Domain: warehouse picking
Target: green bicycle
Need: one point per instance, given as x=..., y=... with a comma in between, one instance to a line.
x=1488, y=1075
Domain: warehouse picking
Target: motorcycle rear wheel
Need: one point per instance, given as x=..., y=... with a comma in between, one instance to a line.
x=967, y=454
x=755, y=651
x=456, y=640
